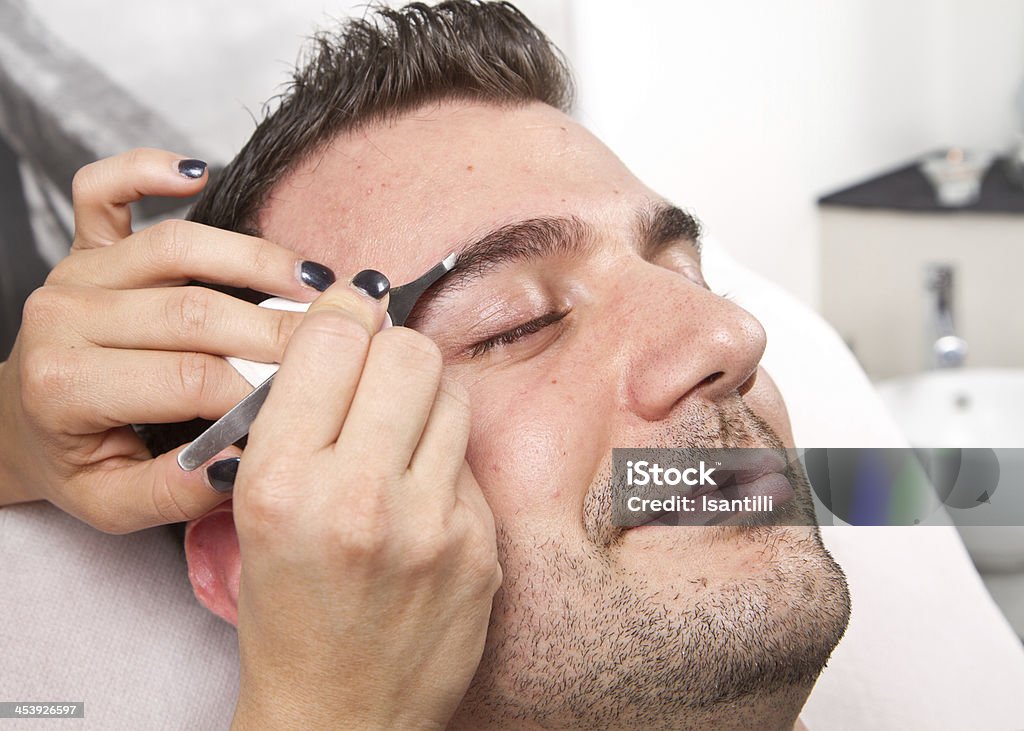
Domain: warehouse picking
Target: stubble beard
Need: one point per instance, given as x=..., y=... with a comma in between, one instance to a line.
x=579, y=640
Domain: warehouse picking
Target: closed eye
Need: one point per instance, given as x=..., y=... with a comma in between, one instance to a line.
x=517, y=333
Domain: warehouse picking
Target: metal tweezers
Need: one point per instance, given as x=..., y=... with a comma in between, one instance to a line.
x=236, y=423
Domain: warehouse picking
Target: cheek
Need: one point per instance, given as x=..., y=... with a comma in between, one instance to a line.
x=765, y=400
x=523, y=446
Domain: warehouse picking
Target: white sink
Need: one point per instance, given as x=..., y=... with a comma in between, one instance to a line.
x=969, y=407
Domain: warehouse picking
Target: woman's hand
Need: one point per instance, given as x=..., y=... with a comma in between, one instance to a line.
x=109, y=341
x=368, y=552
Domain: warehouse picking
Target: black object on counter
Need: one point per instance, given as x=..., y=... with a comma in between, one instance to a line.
x=906, y=189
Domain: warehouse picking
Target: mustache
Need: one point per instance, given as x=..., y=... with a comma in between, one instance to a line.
x=709, y=427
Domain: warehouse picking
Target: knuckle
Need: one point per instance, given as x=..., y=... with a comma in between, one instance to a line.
x=414, y=349
x=169, y=507
x=267, y=496
x=337, y=326
x=189, y=311
x=84, y=182
x=497, y=577
x=365, y=534
x=457, y=396
x=427, y=556
x=439, y=538
x=42, y=308
x=136, y=159
x=282, y=326
x=47, y=375
x=194, y=376
x=59, y=273
x=261, y=255
x=482, y=567
x=169, y=242
x=135, y=163
x=261, y=511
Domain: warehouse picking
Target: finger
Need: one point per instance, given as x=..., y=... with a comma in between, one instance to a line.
x=394, y=399
x=102, y=190
x=102, y=389
x=321, y=368
x=178, y=319
x=468, y=492
x=137, y=494
x=175, y=252
x=442, y=446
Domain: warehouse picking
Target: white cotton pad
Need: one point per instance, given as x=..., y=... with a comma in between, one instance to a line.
x=255, y=372
x=252, y=371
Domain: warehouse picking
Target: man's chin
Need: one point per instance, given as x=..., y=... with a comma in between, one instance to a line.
x=687, y=561
x=669, y=627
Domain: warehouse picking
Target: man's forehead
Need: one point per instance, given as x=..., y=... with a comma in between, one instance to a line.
x=398, y=196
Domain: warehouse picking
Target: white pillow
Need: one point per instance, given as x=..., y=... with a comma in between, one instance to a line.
x=111, y=621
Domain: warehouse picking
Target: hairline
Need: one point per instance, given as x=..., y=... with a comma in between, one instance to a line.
x=251, y=226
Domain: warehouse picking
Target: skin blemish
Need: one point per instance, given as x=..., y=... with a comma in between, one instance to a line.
x=469, y=168
x=554, y=380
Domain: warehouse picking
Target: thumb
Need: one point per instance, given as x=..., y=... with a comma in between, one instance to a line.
x=156, y=491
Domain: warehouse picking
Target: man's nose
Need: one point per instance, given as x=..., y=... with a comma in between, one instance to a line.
x=688, y=343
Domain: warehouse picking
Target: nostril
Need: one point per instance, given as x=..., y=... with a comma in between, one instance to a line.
x=748, y=384
x=711, y=379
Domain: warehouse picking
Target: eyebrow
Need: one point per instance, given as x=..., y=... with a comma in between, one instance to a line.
x=656, y=227
x=661, y=224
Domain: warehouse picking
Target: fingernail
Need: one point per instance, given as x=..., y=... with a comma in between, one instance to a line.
x=222, y=474
x=316, y=275
x=372, y=283
x=192, y=168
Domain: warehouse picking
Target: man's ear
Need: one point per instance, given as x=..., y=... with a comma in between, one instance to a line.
x=214, y=563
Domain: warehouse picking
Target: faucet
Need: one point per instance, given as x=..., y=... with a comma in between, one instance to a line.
x=948, y=349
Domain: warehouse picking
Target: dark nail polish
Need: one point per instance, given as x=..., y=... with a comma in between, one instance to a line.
x=192, y=168
x=316, y=275
x=372, y=282
x=222, y=474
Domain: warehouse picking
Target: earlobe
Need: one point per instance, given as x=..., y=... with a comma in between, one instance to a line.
x=214, y=562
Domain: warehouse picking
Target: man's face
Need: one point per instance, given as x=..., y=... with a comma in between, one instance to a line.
x=598, y=333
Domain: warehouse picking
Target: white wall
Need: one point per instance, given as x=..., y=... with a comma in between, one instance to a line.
x=207, y=66
x=747, y=111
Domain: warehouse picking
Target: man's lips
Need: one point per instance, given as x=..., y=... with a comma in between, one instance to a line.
x=747, y=470
x=744, y=473
x=772, y=484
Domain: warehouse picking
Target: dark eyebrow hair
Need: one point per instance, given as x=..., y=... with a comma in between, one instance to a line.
x=662, y=224
x=657, y=226
x=534, y=238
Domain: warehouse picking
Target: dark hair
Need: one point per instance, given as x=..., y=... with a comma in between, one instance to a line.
x=377, y=67
x=370, y=70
